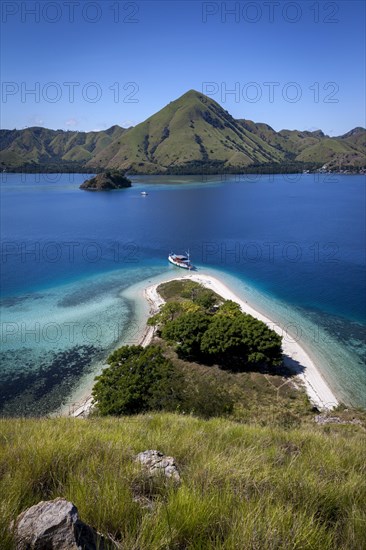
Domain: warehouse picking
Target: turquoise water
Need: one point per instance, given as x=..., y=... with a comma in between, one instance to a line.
x=293, y=246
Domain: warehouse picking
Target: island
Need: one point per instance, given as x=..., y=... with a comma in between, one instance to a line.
x=106, y=181
x=192, y=302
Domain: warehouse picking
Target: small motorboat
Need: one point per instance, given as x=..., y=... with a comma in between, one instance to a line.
x=144, y=194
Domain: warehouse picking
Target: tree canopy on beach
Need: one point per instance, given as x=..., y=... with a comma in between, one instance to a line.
x=229, y=308
x=199, y=295
x=205, y=330
x=240, y=339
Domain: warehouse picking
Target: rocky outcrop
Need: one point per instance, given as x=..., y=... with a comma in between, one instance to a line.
x=54, y=525
x=107, y=181
x=156, y=463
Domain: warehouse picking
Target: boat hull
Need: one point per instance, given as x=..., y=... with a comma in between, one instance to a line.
x=182, y=265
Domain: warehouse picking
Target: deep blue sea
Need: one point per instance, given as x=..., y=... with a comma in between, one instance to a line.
x=293, y=246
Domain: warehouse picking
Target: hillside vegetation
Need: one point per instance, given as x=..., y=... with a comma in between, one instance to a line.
x=243, y=486
x=192, y=134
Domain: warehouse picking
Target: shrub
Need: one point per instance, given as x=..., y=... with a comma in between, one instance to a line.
x=137, y=380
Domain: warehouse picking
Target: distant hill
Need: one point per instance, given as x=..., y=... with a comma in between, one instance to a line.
x=37, y=146
x=348, y=150
x=192, y=134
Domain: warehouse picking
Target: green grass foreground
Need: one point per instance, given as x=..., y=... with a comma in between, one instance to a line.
x=243, y=486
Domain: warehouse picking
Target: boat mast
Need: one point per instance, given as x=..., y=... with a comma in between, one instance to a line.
x=189, y=260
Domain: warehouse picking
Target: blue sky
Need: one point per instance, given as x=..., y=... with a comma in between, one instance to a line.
x=94, y=64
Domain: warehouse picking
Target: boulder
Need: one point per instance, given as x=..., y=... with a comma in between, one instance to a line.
x=156, y=463
x=54, y=525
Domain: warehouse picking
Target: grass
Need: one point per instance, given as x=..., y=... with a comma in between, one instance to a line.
x=243, y=486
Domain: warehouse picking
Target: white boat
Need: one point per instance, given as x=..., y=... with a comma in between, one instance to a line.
x=144, y=194
x=180, y=261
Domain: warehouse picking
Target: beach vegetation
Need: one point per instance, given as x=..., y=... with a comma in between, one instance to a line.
x=186, y=332
x=237, y=339
x=182, y=290
x=256, y=470
x=167, y=313
x=217, y=331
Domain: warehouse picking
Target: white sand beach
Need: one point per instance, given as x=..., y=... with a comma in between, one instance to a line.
x=295, y=357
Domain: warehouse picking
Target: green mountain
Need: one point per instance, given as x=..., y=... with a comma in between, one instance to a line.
x=348, y=150
x=191, y=130
x=191, y=134
x=42, y=147
x=291, y=142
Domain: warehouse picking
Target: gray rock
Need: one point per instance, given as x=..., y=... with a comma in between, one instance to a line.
x=324, y=419
x=156, y=463
x=54, y=525
x=145, y=502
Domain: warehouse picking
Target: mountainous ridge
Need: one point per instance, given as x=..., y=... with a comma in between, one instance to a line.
x=39, y=145
x=191, y=133
x=191, y=128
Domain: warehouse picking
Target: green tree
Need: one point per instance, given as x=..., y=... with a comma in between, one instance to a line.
x=224, y=338
x=137, y=380
x=190, y=290
x=229, y=308
x=168, y=312
x=241, y=340
x=186, y=332
x=264, y=344
x=190, y=307
x=197, y=293
x=206, y=299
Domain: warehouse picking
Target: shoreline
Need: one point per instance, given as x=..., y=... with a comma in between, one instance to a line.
x=296, y=358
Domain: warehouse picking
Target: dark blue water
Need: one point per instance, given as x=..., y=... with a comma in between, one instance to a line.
x=299, y=240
